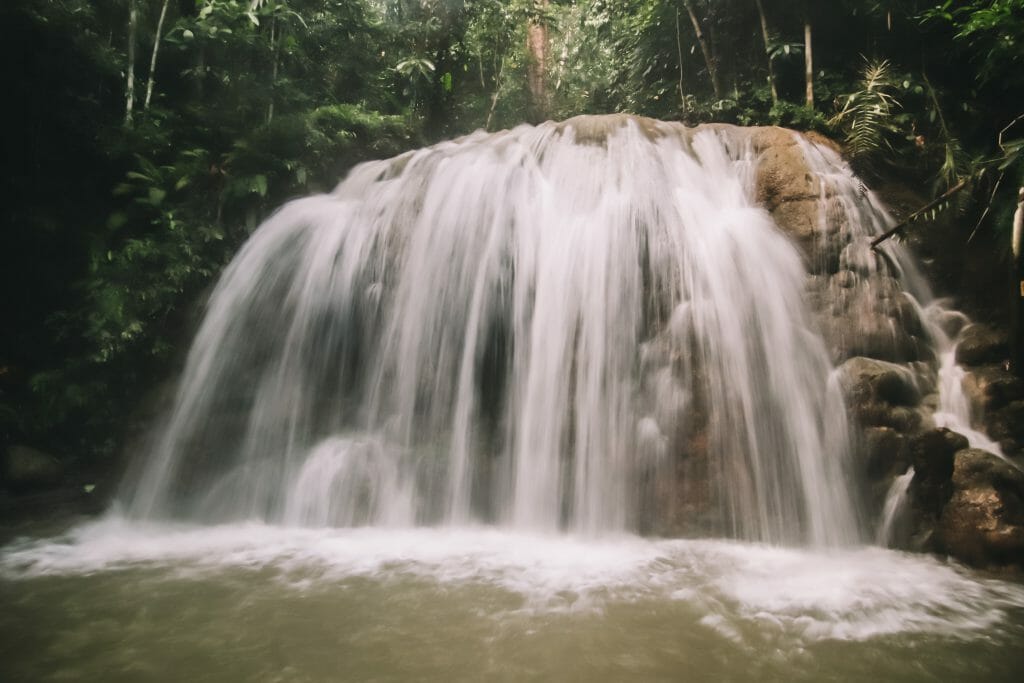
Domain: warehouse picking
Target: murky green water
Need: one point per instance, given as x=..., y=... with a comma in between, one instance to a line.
x=115, y=602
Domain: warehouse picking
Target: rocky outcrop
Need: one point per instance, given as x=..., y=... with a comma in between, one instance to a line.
x=980, y=344
x=933, y=454
x=997, y=400
x=982, y=524
x=785, y=185
x=964, y=502
x=880, y=394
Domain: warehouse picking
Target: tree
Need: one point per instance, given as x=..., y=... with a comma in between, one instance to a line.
x=808, y=63
x=709, y=59
x=537, y=46
x=156, y=50
x=133, y=23
x=767, y=51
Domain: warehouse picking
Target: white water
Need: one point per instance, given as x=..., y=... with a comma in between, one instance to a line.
x=954, y=410
x=895, y=502
x=798, y=596
x=516, y=329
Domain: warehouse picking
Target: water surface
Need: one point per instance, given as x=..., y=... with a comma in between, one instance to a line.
x=123, y=601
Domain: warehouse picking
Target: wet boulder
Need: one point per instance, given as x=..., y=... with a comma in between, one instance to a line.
x=868, y=314
x=883, y=452
x=980, y=344
x=786, y=187
x=1006, y=425
x=992, y=387
x=883, y=394
x=867, y=379
x=933, y=454
x=983, y=522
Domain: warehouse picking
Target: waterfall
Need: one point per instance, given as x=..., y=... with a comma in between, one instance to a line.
x=954, y=411
x=895, y=501
x=589, y=326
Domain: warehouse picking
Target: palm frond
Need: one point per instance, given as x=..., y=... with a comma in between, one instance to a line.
x=867, y=113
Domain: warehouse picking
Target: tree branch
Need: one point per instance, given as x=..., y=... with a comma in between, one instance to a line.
x=917, y=214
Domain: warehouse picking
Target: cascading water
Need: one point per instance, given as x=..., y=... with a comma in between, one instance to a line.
x=590, y=327
x=572, y=326
x=895, y=501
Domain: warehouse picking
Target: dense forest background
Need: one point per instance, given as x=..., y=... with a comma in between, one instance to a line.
x=146, y=139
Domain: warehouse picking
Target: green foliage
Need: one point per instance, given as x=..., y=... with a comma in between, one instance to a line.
x=115, y=231
x=868, y=113
x=991, y=30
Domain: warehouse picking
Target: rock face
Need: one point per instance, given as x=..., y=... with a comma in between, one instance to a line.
x=980, y=344
x=786, y=186
x=933, y=455
x=880, y=394
x=983, y=522
x=25, y=469
x=963, y=502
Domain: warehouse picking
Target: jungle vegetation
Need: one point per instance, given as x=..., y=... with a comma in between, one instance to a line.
x=145, y=139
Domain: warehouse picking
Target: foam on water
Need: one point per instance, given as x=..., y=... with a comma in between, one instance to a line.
x=741, y=590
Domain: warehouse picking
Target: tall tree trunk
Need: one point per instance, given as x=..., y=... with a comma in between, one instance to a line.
x=709, y=61
x=497, y=92
x=808, y=64
x=1017, y=297
x=679, y=51
x=129, y=89
x=767, y=51
x=537, y=48
x=152, y=59
x=273, y=72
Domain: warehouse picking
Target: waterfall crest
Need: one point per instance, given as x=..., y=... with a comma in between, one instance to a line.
x=589, y=326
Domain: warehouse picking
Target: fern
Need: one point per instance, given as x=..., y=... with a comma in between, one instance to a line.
x=867, y=114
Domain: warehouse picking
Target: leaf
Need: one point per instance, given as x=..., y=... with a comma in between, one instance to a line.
x=117, y=220
x=259, y=185
x=156, y=196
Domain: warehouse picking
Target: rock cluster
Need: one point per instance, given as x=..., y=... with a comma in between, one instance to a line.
x=963, y=502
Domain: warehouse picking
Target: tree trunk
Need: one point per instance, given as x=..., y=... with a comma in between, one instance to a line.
x=679, y=50
x=273, y=73
x=705, y=49
x=1017, y=296
x=767, y=52
x=537, y=48
x=808, y=64
x=152, y=59
x=129, y=105
x=497, y=92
